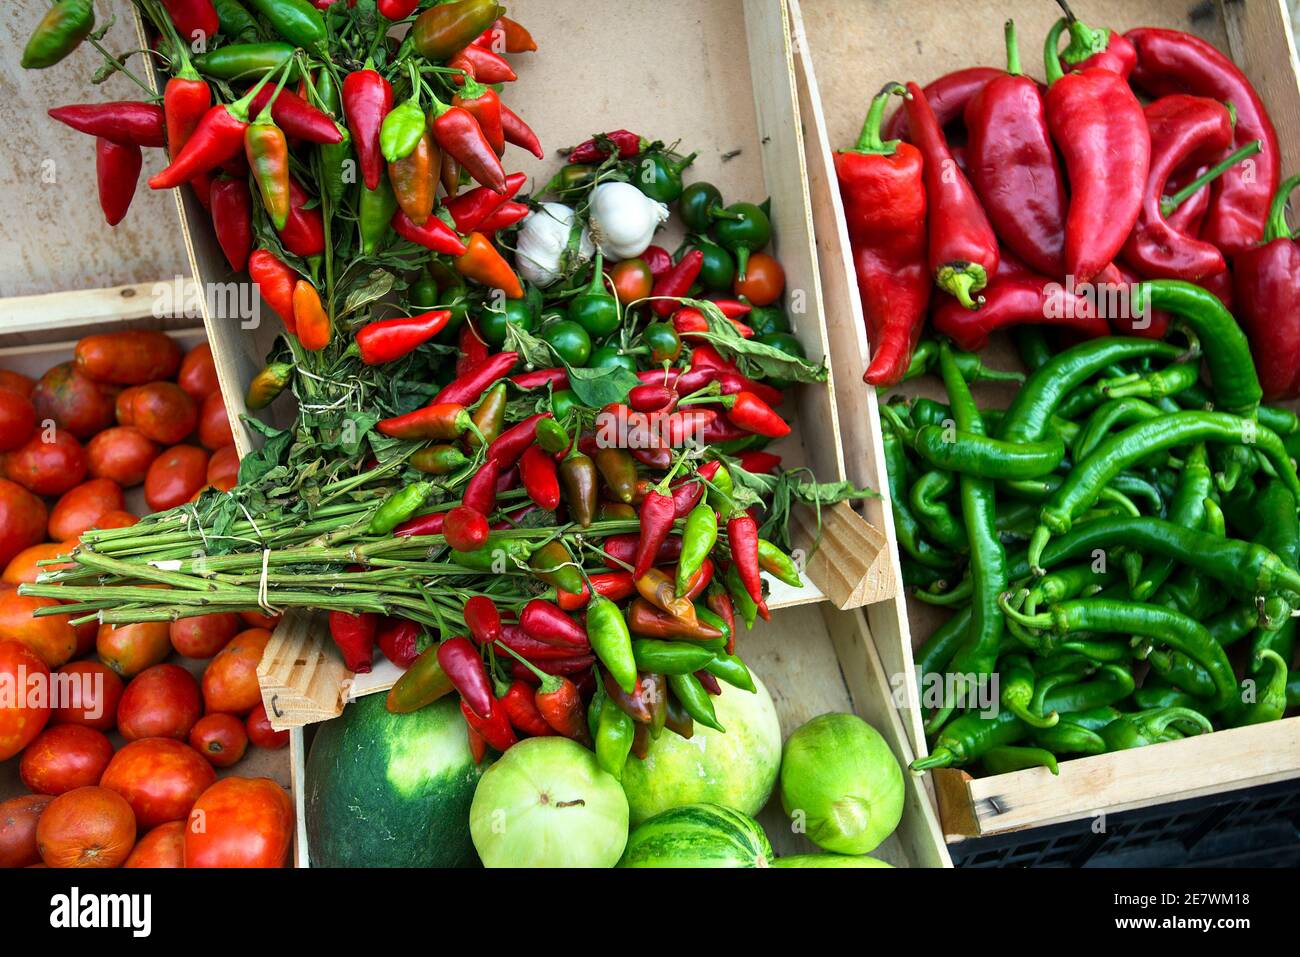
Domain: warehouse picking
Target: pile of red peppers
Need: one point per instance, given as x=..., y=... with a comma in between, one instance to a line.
x=989, y=200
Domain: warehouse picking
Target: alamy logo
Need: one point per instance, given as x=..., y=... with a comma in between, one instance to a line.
x=77, y=910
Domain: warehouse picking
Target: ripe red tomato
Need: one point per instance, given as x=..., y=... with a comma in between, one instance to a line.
x=18, y=817
x=631, y=280
x=198, y=373
x=230, y=681
x=257, y=619
x=65, y=757
x=246, y=822
x=116, y=520
x=214, y=424
x=49, y=463
x=175, y=476
x=260, y=732
x=764, y=280
x=129, y=649
x=17, y=420
x=204, y=635
x=87, y=694
x=163, y=411
x=11, y=381
x=128, y=358
x=122, y=454
x=73, y=401
x=52, y=638
x=159, y=777
x=164, y=846
x=23, y=709
x=80, y=508
x=223, y=468
x=220, y=738
x=23, y=517
x=88, y=827
x=160, y=702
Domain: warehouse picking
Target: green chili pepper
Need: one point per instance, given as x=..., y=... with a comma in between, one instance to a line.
x=670, y=657
x=694, y=700
x=614, y=733
x=1064, y=694
x=1016, y=676
x=1006, y=759
x=496, y=555
x=402, y=128
x=714, y=620
x=934, y=514
x=1150, y=727
x=699, y=536
x=957, y=450
x=611, y=641
x=1187, y=508
x=778, y=564
x=439, y=460
x=551, y=436
x=237, y=24
x=268, y=384
x=1270, y=692
x=732, y=670
x=60, y=32
x=744, y=605
x=741, y=229
x=374, y=214
x=1069, y=738
x=970, y=737
x=906, y=527
x=719, y=491
x=595, y=309
x=933, y=656
x=298, y=21
x=553, y=564
x=398, y=507
x=1149, y=698
x=333, y=156
x=1108, y=416
x=1031, y=344
x=659, y=176
x=246, y=61
x=1093, y=719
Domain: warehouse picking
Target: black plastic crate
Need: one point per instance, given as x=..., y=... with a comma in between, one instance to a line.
x=1255, y=827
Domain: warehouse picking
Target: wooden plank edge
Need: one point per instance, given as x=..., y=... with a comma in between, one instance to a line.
x=847, y=558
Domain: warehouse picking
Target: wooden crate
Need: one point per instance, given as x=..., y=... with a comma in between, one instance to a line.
x=844, y=52
x=37, y=332
x=813, y=659
x=744, y=118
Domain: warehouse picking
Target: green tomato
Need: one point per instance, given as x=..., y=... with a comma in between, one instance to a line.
x=660, y=176
x=605, y=357
x=596, y=312
x=718, y=271
x=570, y=340
x=767, y=320
x=697, y=204
x=665, y=345
x=492, y=322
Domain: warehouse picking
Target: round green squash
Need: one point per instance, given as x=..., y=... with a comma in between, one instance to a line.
x=698, y=835
x=829, y=860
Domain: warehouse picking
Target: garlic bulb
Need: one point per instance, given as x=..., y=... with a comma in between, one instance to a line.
x=624, y=220
x=542, y=241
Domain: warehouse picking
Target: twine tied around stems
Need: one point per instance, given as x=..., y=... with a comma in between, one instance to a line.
x=263, y=598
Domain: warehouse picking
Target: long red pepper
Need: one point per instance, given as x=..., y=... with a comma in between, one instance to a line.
x=434, y=234
x=467, y=388
x=963, y=249
x=483, y=619
x=438, y=420
x=577, y=666
x=460, y=660
x=1266, y=285
x=1170, y=61
x=947, y=97
x=232, y=220
x=430, y=524
x=676, y=283
x=754, y=415
x=367, y=99
x=883, y=191
x=557, y=378
x=560, y=705
x=122, y=122
x=1098, y=125
x=1185, y=130
x=390, y=339
x=355, y=637
x=518, y=133
x=719, y=602
x=473, y=349
x=481, y=490
x=304, y=229
x=538, y=472
x=275, y=282
x=615, y=586
x=298, y=118
x=1012, y=165
x=603, y=145
x=471, y=208
x=546, y=622
x=117, y=170
x=399, y=640
x=622, y=550
x=495, y=728
x=460, y=136
x=508, y=36
x=482, y=65
x=742, y=539
x=1030, y=300
x=535, y=650
x=510, y=444
x=194, y=19
x=522, y=710
x=657, y=514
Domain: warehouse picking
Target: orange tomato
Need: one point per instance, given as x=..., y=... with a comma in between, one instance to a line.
x=73, y=401
x=764, y=280
x=116, y=520
x=631, y=280
x=89, y=693
x=88, y=827
x=160, y=778
x=163, y=411
x=65, y=757
x=257, y=619
x=23, y=710
x=128, y=358
x=220, y=738
x=123, y=454
x=247, y=822
x=51, y=638
x=23, y=568
x=130, y=649
x=198, y=373
x=230, y=681
x=214, y=424
x=23, y=518
x=80, y=508
x=175, y=476
x=164, y=846
x=204, y=635
x=49, y=463
x=18, y=817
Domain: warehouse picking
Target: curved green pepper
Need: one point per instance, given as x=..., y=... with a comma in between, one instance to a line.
x=398, y=507
x=614, y=733
x=298, y=21
x=60, y=32
x=236, y=23
x=375, y=213
x=246, y=61
x=699, y=535
x=611, y=641
x=694, y=700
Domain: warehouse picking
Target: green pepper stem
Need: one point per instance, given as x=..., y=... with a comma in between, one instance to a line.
x=1051, y=52
x=1277, y=227
x=239, y=109
x=1013, y=48
x=1170, y=203
x=938, y=758
x=869, y=140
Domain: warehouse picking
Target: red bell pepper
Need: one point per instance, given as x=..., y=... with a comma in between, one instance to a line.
x=947, y=97
x=1266, y=284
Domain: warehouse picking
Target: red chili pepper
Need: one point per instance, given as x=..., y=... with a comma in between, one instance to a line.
x=719, y=602
x=125, y=121
x=462, y=664
x=759, y=463
x=691, y=425
x=275, y=282
x=311, y=321
x=676, y=283
x=1170, y=61
x=483, y=65
x=510, y=444
x=399, y=640
x=652, y=398
x=304, y=230
x=518, y=133
x=503, y=217
x=522, y=710
x=554, y=666
x=546, y=622
x=484, y=105
x=705, y=356
x=467, y=388
x=117, y=170
x=963, y=249
x=947, y=97
x=459, y=135
x=622, y=550
x=477, y=743
x=658, y=259
x=367, y=99
x=355, y=637
x=507, y=36
x=1185, y=130
x=710, y=683
x=754, y=415
x=481, y=490
x=395, y=9
x=430, y=524
x=438, y=420
x=514, y=638
x=218, y=137
x=1267, y=291
x=540, y=378
x=232, y=221
x=560, y=705
x=731, y=383
x=699, y=581
x=466, y=529
x=732, y=308
x=1012, y=165
x=495, y=728
x=883, y=191
x=603, y=145
x=689, y=322
x=194, y=19
x=686, y=495
x=434, y=234
x=612, y=585
x=390, y=339
x=1097, y=124
x=1014, y=302
x=186, y=98
x=482, y=263
x=721, y=430
x=473, y=349
x=541, y=480
x=742, y=539
x=483, y=619
x=657, y=513
x=298, y=118
x=469, y=209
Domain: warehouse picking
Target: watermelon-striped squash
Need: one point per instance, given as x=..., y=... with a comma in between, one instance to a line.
x=698, y=835
x=391, y=790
